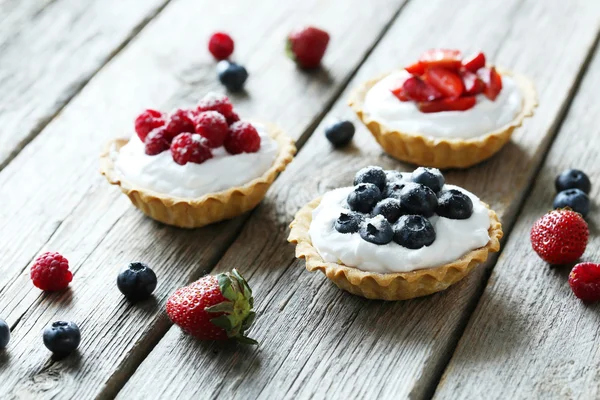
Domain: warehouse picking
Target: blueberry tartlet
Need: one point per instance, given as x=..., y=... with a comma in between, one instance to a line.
x=395, y=236
x=197, y=166
x=445, y=111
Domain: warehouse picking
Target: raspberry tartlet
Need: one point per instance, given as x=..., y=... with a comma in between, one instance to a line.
x=445, y=111
x=197, y=166
x=395, y=236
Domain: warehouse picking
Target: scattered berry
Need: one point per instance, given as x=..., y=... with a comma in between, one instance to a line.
x=377, y=230
x=442, y=58
x=414, y=232
x=4, y=334
x=475, y=62
x=214, y=308
x=430, y=177
x=148, y=121
x=136, y=281
x=180, y=121
x=348, y=222
x=306, y=46
x=418, y=199
x=233, y=76
x=364, y=197
x=340, y=133
x=560, y=236
x=156, y=142
x=573, y=179
x=189, y=147
x=575, y=199
x=220, y=45
x=62, y=338
x=454, y=204
x=584, y=280
x=213, y=127
x=219, y=103
x=390, y=208
x=242, y=138
x=50, y=272
x=371, y=174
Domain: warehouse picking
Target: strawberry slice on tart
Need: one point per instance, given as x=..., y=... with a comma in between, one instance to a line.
x=444, y=58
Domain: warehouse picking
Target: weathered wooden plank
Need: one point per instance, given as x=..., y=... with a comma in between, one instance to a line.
x=49, y=50
x=529, y=336
x=67, y=205
x=317, y=341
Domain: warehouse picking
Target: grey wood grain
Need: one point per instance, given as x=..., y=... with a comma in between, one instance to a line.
x=49, y=49
x=530, y=337
x=70, y=208
x=320, y=342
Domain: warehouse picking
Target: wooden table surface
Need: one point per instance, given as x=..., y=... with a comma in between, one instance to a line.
x=74, y=74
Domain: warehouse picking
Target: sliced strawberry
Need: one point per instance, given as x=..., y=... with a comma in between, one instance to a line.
x=475, y=62
x=399, y=93
x=416, y=89
x=451, y=59
x=460, y=104
x=492, y=80
x=473, y=85
x=417, y=68
x=447, y=82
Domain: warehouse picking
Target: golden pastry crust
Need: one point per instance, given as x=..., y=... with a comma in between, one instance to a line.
x=210, y=208
x=390, y=286
x=423, y=150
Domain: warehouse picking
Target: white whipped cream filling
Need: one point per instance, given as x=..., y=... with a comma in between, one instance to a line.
x=161, y=174
x=454, y=238
x=486, y=116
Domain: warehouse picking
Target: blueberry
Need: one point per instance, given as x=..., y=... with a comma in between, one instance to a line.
x=393, y=189
x=232, y=75
x=573, y=179
x=62, y=338
x=340, y=133
x=348, y=222
x=390, y=208
x=418, y=199
x=377, y=230
x=574, y=198
x=364, y=197
x=136, y=281
x=4, y=334
x=454, y=204
x=393, y=176
x=371, y=174
x=430, y=177
x=413, y=232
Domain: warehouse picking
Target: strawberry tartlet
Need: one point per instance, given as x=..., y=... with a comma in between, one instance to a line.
x=197, y=166
x=444, y=110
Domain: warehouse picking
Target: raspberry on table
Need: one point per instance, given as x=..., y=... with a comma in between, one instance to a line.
x=180, y=121
x=213, y=127
x=242, y=138
x=189, y=147
x=156, y=142
x=148, y=121
x=50, y=272
x=584, y=280
x=219, y=103
x=220, y=45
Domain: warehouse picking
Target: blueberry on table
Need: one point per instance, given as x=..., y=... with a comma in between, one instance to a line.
x=377, y=230
x=371, y=174
x=364, y=197
x=340, y=133
x=576, y=199
x=418, y=199
x=233, y=76
x=4, y=334
x=348, y=222
x=414, y=232
x=573, y=179
x=62, y=338
x=430, y=177
x=136, y=281
x=390, y=208
x=454, y=204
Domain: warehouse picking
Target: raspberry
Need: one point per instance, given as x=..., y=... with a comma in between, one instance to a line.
x=584, y=280
x=148, y=121
x=180, y=121
x=213, y=127
x=156, y=142
x=560, y=237
x=50, y=271
x=220, y=104
x=188, y=147
x=220, y=45
x=242, y=138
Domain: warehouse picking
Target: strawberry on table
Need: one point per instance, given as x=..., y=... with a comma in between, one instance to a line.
x=216, y=307
x=447, y=104
x=442, y=58
x=560, y=236
x=449, y=83
x=474, y=62
x=306, y=46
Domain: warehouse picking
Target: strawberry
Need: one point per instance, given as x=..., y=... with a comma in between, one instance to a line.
x=417, y=68
x=492, y=80
x=414, y=88
x=474, y=63
x=400, y=93
x=560, y=236
x=447, y=82
x=306, y=46
x=443, y=58
x=447, y=104
x=214, y=308
x=584, y=280
x=473, y=85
